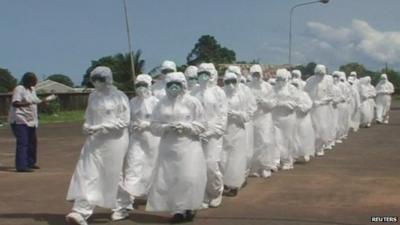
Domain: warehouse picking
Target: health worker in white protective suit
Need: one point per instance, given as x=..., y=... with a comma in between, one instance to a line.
x=97, y=174
x=142, y=152
x=304, y=143
x=317, y=88
x=158, y=87
x=265, y=157
x=344, y=107
x=284, y=118
x=338, y=102
x=191, y=77
x=354, y=107
x=384, y=90
x=251, y=107
x=296, y=76
x=234, y=153
x=215, y=106
x=367, y=94
x=181, y=174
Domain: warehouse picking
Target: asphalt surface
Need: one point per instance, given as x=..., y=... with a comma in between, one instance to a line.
x=358, y=179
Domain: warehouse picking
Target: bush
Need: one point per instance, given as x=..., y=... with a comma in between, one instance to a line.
x=51, y=108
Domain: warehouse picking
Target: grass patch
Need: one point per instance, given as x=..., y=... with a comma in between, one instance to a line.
x=397, y=97
x=62, y=117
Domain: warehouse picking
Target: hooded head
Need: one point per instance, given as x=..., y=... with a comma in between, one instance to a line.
x=143, y=85
x=272, y=81
x=353, y=74
x=336, y=76
x=384, y=77
x=351, y=80
x=296, y=74
x=282, y=77
x=168, y=67
x=191, y=76
x=101, y=78
x=230, y=82
x=296, y=83
x=234, y=69
x=207, y=74
x=320, y=70
x=175, y=84
x=342, y=76
x=256, y=72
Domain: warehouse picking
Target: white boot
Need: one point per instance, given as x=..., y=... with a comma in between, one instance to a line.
x=306, y=158
x=216, y=201
x=75, y=218
x=266, y=173
x=120, y=214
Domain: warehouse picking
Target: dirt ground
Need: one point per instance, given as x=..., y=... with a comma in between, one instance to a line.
x=358, y=179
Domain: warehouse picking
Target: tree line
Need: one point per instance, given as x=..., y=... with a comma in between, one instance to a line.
x=207, y=49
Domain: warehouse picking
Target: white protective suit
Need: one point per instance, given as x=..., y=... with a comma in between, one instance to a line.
x=339, y=102
x=344, y=106
x=234, y=154
x=158, y=87
x=266, y=157
x=367, y=95
x=318, y=89
x=251, y=107
x=191, y=77
x=143, y=146
x=296, y=76
x=181, y=174
x=304, y=134
x=354, y=103
x=97, y=174
x=284, y=118
x=215, y=106
x=384, y=90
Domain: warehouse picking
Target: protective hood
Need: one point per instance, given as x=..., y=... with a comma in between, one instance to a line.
x=234, y=69
x=320, y=69
x=104, y=72
x=384, y=77
x=296, y=74
x=144, y=78
x=282, y=74
x=210, y=68
x=353, y=74
x=167, y=64
x=191, y=71
x=230, y=76
x=176, y=77
x=342, y=76
x=256, y=69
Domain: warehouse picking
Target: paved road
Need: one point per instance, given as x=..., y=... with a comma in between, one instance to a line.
x=358, y=179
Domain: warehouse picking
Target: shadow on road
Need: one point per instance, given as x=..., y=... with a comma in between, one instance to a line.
x=7, y=169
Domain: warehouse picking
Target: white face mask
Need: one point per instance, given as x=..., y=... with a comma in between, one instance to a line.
x=142, y=91
x=192, y=82
x=174, y=90
x=99, y=86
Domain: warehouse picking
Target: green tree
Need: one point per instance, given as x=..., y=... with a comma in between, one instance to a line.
x=359, y=68
x=207, y=49
x=61, y=78
x=307, y=70
x=120, y=65
x=7, y=81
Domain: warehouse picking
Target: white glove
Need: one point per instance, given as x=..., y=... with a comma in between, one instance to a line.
x=50, y=98
x=139, y=126
x=181, y=127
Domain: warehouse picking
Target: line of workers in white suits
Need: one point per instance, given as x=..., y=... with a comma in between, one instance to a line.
x=183, y=142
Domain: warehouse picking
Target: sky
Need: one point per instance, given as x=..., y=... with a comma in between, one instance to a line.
x=64, y=36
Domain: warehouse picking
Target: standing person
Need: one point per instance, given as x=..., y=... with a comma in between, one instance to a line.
x=191, y=77
x=284, y=118
x=97, y=174
x=234, y=157
x=318, y=89
x=304, y=134
x=181, y=175
x=158, y=88
x=23, y=118
x=141, y=158
x=367, y=94
x=354, y=105
x=265, y=158
x=384, y=90
x=215, y=106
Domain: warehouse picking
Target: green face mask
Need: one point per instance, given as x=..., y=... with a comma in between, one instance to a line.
x=174, y=89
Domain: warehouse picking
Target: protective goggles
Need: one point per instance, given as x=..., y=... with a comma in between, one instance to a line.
x=169, y=84
x=192, y=78
x=98, y=78
x=230, y=81
x=141, y=84
x=202, y=73
x=166, y=71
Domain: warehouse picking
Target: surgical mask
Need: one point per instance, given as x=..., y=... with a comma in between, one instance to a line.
x=256, y=76
x=99, y=86
x=203, y=79
x=141, y=91
x=192, y=82
x=174, y=89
